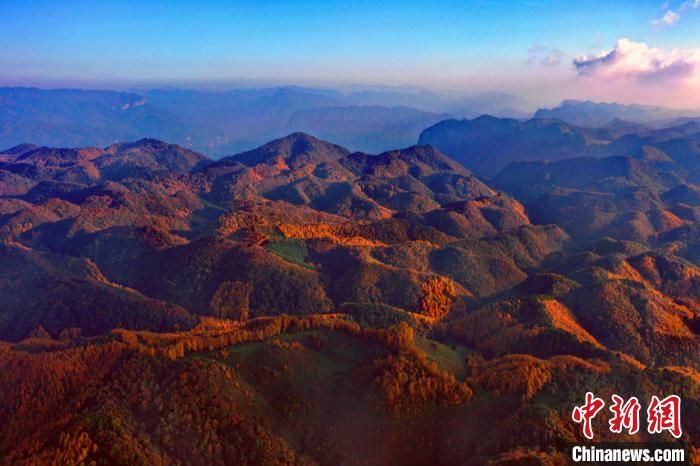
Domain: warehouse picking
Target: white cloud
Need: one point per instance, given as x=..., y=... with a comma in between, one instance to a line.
x=630, y=60
x=669, y=18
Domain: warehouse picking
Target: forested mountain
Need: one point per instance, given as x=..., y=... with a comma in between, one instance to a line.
x=301, y=303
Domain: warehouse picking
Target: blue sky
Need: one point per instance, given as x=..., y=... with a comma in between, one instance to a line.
x=527, y=47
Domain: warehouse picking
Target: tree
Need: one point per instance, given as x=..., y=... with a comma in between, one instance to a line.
x=232, y=300
x=437, y=297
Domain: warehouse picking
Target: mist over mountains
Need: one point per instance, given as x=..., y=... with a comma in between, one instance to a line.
x=596, y=114
x=222, y=123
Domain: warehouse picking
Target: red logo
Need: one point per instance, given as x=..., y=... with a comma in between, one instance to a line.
x=587, y=412
x=664, y=415
x=624, y=415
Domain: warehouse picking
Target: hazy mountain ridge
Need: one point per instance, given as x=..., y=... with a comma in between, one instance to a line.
x=370, y=128
x=487, y=144
x=597, y=114
x=221, y=123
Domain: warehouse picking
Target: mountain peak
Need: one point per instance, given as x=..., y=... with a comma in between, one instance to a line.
x=171, y=156
x=486, y=118
x=418, y=160
x=19, y=150
x=294, y=150
x=425, y=153
x=145, y=143
x=50, y=155
x=486, y=144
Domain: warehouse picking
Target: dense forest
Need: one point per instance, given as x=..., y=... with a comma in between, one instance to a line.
x=303, y=304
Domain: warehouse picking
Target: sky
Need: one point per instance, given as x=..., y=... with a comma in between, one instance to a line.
x=644, y=51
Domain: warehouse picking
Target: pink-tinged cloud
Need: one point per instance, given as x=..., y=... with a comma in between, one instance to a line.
x=669, y=18
x=637, y=61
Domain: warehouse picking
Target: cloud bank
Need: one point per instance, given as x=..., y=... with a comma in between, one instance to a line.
x=637, y=61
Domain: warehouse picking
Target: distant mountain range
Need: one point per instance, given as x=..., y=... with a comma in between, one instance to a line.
x=487, y=144
x=597, y=114
x=368, y=128
x=222, y=123
x=370, y=120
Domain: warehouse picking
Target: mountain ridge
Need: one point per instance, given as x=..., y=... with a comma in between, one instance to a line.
x=290, y=303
